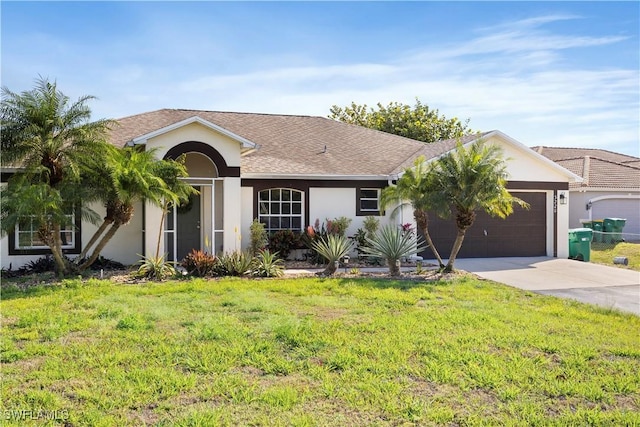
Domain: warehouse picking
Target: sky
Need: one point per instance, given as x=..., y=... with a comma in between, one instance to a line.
x=564, y=74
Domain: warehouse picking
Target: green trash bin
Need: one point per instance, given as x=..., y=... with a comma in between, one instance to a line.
x=598, y=228
x=580, y=244
x=614, y=227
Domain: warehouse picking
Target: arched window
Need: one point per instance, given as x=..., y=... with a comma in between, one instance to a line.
x=280, y=209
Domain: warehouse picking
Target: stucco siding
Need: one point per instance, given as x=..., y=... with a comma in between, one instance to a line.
x=524, y=165
x=611, y=205
x=228, y=148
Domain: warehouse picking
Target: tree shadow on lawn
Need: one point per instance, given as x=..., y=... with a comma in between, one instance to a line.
x=404, y=282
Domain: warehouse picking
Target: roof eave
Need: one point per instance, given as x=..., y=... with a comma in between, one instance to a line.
x=324, y=177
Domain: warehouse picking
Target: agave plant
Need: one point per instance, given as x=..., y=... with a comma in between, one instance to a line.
x=155, y=268
x=332, y=248
x=267, y=264
x=392, y=244
x=234, y=264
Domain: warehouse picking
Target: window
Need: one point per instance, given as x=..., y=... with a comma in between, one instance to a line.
x=280, y=209
x=26, y=235
x=369, y=201
x=24, y=240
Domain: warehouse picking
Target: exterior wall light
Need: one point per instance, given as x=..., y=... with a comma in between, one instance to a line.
x=563, y=198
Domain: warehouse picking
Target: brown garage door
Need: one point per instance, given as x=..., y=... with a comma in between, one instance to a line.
x=523, y=233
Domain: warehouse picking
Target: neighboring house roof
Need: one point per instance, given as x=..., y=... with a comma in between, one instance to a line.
x=599, y=169
x=562, y=153
x=289, y=145
x=602, y=174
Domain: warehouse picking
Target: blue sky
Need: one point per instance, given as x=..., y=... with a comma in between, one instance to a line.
x=545, y=73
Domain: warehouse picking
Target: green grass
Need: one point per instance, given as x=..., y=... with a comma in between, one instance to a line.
x=604, y=253
x=314, y=352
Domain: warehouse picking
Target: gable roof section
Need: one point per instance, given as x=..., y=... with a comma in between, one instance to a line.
x=288, y=145
x=439, y=148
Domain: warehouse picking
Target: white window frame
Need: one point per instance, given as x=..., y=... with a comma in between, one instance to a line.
x=68, y=228
x=264, y=217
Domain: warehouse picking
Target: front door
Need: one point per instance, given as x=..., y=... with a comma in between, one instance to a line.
x=189, y=226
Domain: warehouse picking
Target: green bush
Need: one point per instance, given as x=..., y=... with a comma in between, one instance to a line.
x=259, y=237
x=283, y=242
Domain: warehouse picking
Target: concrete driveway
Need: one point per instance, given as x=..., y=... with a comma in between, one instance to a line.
x=609, y=287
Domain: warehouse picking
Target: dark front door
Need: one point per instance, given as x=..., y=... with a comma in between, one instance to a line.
x=523, y=233
x=188, y=226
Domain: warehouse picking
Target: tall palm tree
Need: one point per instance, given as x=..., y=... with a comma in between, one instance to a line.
x=416, y=186
x=472, y=179
x=133, y=175
x=48, y=138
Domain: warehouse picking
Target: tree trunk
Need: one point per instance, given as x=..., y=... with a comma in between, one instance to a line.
x=165, y=208
x=457, y=244
x=56, y=250
x=330, y=270
x=103, y=242
x=464, y=219
x=422, y=220
x=94, y=238
x=393, y=268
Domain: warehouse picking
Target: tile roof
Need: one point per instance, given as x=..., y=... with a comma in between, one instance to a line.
x=598, y=168
x=293, y=145
x=561, y=153
x=599, y=173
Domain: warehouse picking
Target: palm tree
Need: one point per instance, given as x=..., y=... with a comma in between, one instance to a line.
x=472, y=179
x=49, y=139
x=416, y=185
x=133, y=175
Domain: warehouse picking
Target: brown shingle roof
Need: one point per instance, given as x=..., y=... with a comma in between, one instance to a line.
x=599, y=173
x=291, y=144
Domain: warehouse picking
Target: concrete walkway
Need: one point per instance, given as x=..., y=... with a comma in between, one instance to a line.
x=605, y=286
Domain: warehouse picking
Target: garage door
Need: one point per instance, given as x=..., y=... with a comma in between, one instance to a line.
x=523, y=233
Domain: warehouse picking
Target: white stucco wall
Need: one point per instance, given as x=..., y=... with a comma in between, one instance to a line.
x=228, y=148
x=246, y=216
x=622, y=204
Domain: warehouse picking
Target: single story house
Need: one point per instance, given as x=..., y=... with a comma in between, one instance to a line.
x=610, y=186
x=287, y=171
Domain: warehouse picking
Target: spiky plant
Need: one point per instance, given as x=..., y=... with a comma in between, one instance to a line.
x=332, y=248
x=155, y=268
x=234, y=264
x=392, y=244
x=267, y=264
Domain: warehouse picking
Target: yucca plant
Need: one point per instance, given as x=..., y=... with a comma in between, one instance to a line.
x=155, y=268
x=267, y=264
x=234, y=264
x=332, y=248
x=392, y=244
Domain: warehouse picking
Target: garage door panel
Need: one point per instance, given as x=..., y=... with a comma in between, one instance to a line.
x=523, y=233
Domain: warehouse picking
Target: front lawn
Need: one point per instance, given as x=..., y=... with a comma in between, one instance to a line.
x=604, y=253
x=314, y=352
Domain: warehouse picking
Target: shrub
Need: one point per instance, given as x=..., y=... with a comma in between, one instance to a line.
x=155, y=268
x=267, y=264
x=392, y=244
x=317, y=232
x=233, y=264
x=199, y=263
x=332, y=249
x=259, y=237
x=283, y=242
